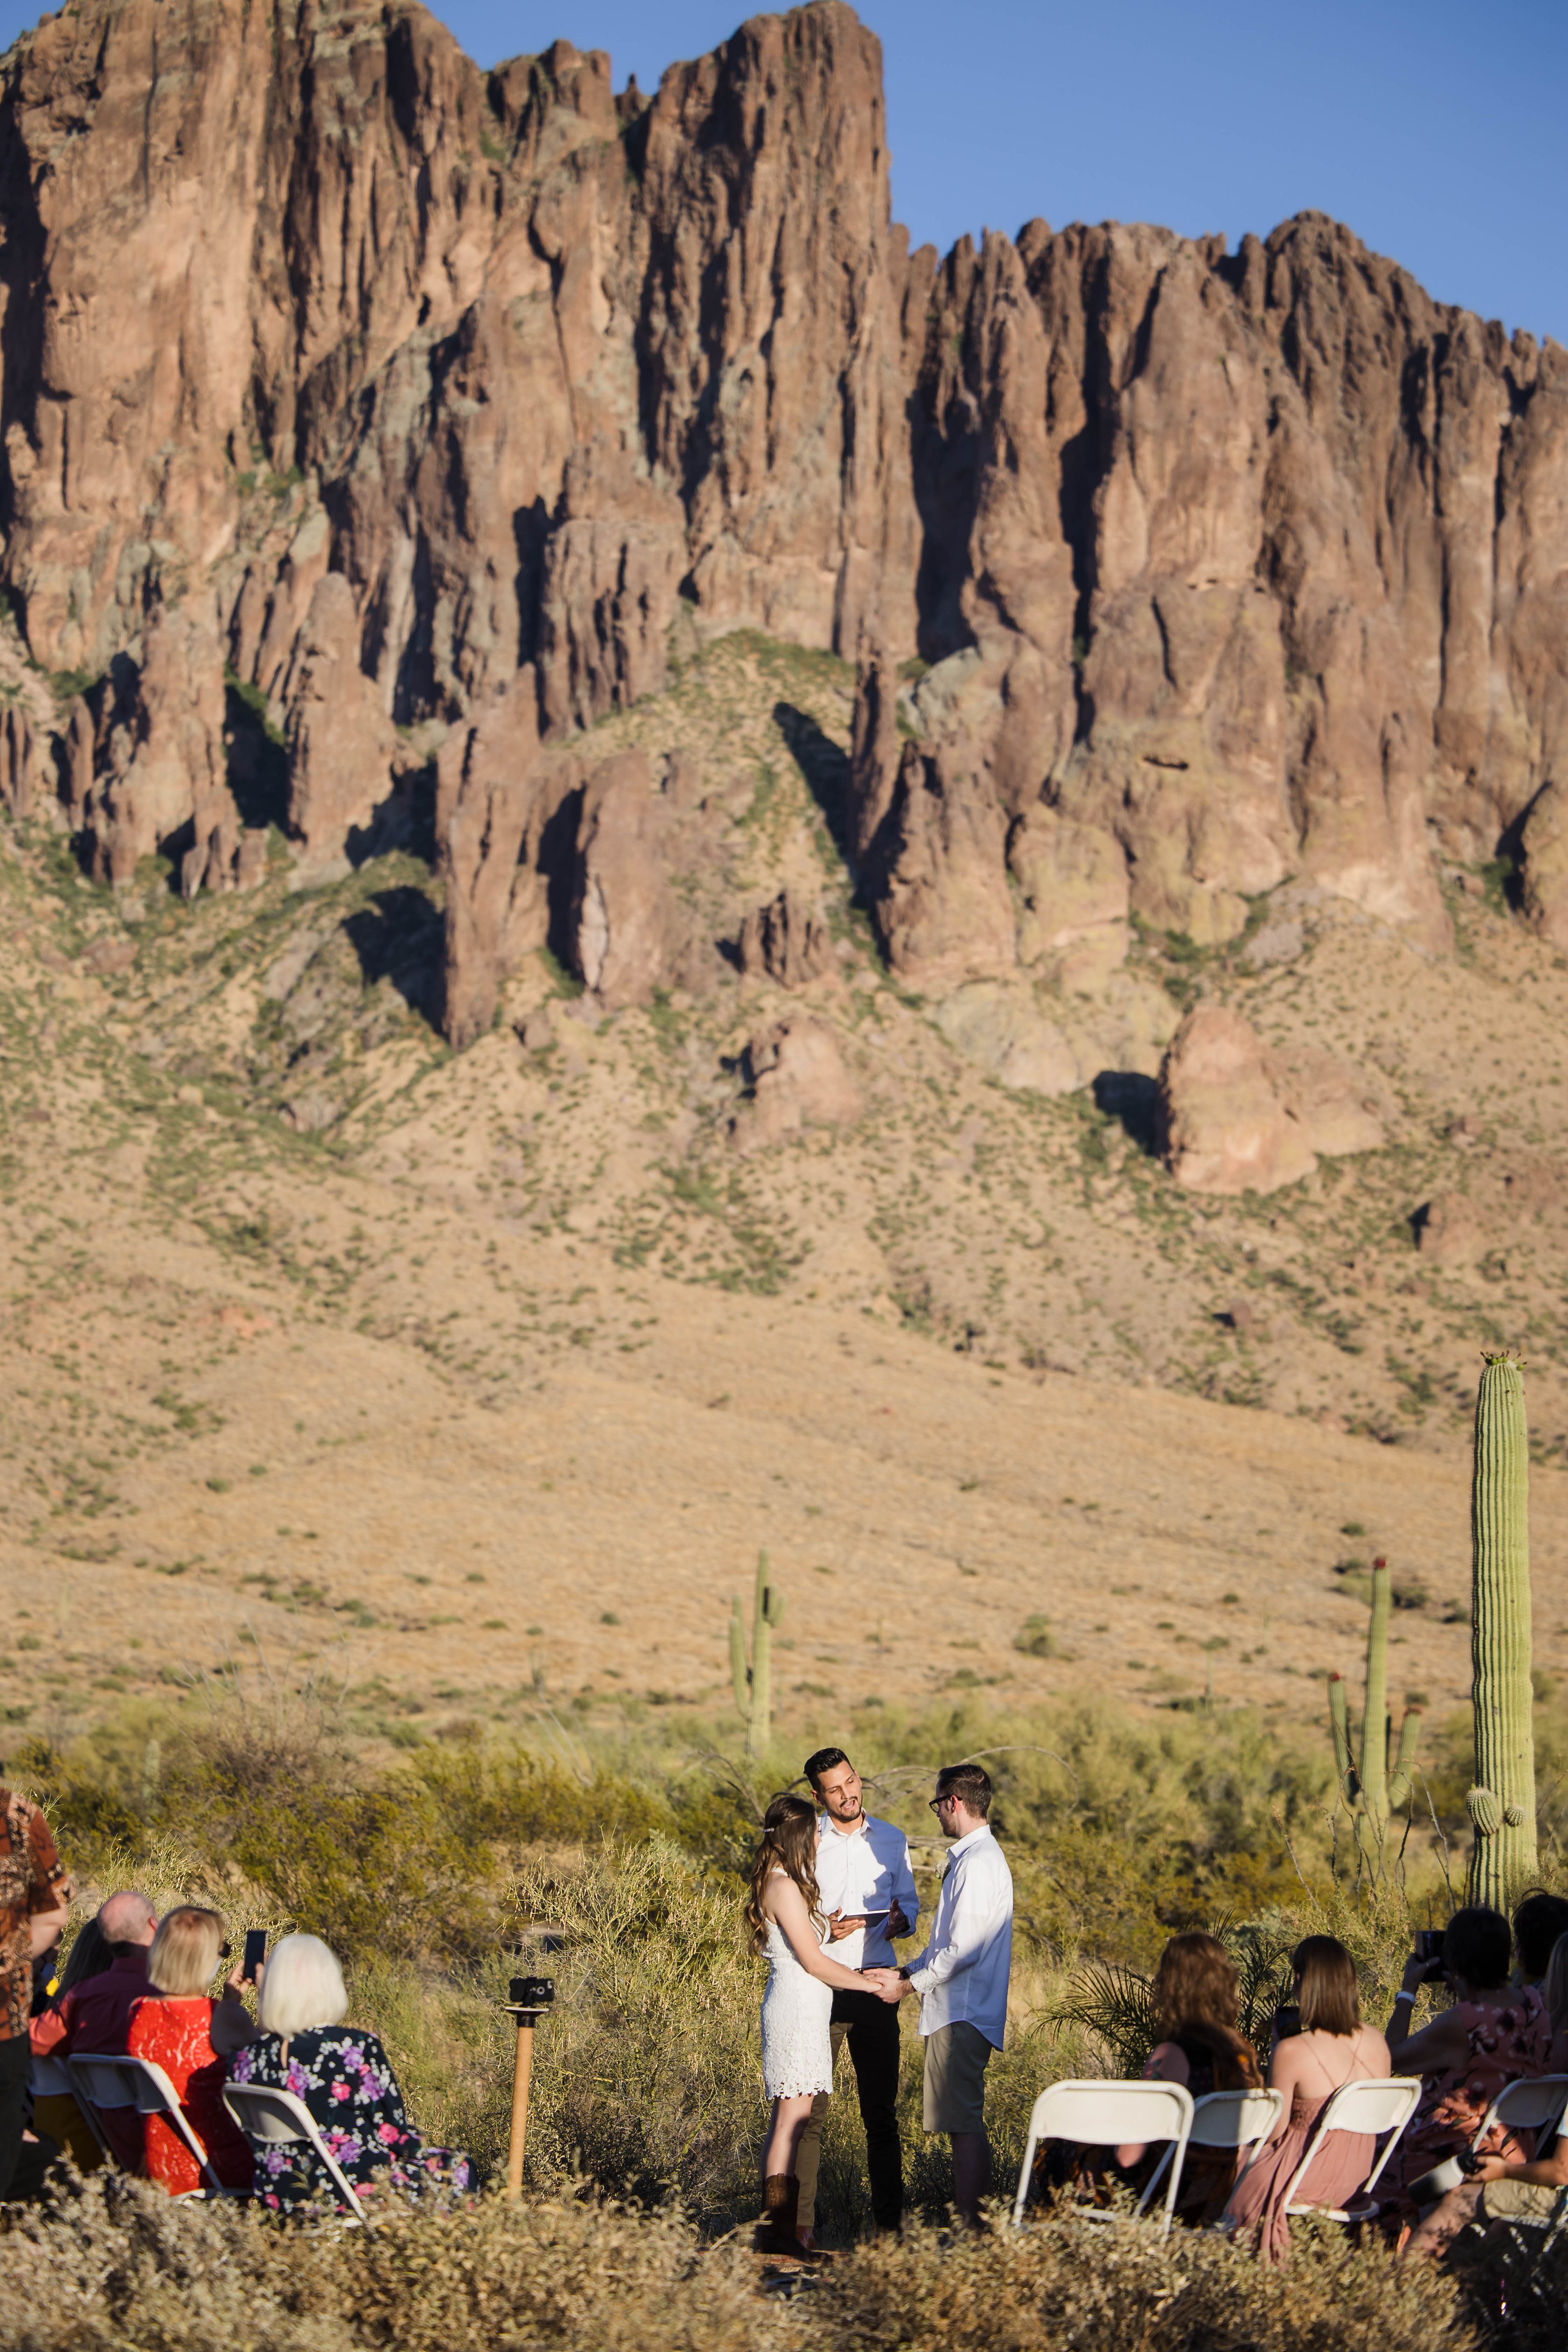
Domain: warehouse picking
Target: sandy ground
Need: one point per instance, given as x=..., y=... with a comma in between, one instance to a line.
x=249, y=1473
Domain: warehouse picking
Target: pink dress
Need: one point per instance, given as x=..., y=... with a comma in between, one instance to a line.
x=1338, y=2170
x=1506, y=2045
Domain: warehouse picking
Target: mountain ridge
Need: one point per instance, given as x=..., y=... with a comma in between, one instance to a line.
x=1246, y=565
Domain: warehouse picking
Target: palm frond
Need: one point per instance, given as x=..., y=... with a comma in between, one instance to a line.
x=1116, y=2005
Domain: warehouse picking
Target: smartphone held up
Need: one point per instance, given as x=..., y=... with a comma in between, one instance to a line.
x=254, y=1953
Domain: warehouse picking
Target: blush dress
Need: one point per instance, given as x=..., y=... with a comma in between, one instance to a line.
x=177, y=2036
x=345, y=2078
x=1338, y=2170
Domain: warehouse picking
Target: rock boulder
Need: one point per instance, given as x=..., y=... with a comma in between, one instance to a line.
x=624, y=920
x=1237, y=1116
x=795, y=1073
x=784, y=941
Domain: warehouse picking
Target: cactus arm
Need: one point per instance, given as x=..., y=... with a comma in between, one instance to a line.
x=740, y=1673
x=1339, y=1725
x=761, y=1686
x=1400, y=1786
x=1374, y=1722
x=1502, y=1804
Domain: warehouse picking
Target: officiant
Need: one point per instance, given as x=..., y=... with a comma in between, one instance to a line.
x=868, y=1892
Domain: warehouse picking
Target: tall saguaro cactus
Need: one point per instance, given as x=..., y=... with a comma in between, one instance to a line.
x=754, y=1683
x=1502, y=1802
x=1370, y=1791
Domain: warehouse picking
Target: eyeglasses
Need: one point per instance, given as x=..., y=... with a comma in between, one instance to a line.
x=225, y=1951
x=937, y=1803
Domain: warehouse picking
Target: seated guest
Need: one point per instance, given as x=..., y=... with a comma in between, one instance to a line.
x=179, y=2028
x=1331, y=2049
x=1197, y=1998
x=1513, y=2184
x=1539, y=1922
x=1491, y=2035
x=342, y=2074
x=92, y=2013
x=54, y=2111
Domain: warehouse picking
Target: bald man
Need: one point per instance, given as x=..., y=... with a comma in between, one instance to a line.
x=95, y=2015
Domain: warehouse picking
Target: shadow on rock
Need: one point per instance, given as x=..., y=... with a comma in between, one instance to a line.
x=397, y=937
x=1133, y=1100
x=825, y=767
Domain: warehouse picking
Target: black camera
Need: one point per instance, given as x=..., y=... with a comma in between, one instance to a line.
x=532, y=1992
x=1429, y=1943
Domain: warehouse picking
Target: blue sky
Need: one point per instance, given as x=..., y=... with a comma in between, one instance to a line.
x=1437, y=128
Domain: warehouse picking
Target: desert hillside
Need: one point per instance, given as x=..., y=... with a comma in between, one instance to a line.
x=677, y=881
x=478, y=1379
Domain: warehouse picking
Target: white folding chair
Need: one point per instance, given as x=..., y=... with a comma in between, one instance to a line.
x=1536, y=2106
x=49, y=2078
x=273, y=2118
x=99, y=2080
x=1527, y=2105
x=1235, y=2120
x=1101, y=2114
x=1383, y=2102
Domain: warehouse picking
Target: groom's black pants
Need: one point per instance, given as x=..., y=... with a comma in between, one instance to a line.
x=870, y=2026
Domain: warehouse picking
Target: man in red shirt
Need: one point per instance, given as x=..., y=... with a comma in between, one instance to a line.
x=34, y=1895
x=95, y=2015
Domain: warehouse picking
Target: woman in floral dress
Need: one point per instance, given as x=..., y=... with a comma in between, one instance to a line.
x=1492, y=2035
x=343, y=2077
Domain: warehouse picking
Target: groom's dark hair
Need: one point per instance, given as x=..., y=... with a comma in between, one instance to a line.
x=823, y=1761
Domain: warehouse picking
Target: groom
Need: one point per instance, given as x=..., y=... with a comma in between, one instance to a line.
x=868, y=1892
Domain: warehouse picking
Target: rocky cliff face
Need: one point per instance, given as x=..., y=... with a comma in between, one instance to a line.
x=416, y=392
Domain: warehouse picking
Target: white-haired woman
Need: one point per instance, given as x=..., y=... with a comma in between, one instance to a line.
x=342, y=2076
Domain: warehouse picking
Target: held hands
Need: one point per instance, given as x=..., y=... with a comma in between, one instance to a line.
x=886, y=1983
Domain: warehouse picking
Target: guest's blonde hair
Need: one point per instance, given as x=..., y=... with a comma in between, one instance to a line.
x=301, y=1986
x=182, y=1958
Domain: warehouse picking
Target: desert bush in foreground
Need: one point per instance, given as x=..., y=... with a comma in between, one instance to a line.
x=117, y=2264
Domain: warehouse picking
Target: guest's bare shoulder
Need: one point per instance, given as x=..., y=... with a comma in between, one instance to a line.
x=1372, y=2051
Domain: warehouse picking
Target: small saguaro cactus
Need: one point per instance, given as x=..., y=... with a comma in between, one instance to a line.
x=1370, y=1791
x=754, y=1683
x=1502, y=1802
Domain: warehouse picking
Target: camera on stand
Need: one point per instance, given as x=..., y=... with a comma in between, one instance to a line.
x=531, y=1997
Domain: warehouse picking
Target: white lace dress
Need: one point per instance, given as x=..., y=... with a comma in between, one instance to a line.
x=798, y=2013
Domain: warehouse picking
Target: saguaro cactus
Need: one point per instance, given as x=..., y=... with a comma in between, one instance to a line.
x=1502, y=1802
x=754, y=1683
x=1370, y=1791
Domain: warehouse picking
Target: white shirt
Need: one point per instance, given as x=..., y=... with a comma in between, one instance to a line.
x=865, y=1868
x=961, y=1975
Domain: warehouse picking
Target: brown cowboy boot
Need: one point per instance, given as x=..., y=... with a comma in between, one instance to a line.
x=781, y=2203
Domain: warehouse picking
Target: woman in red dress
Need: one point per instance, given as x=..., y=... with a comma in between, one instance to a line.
x=192, y=2038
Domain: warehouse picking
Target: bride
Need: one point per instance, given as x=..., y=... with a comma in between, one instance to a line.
x=784, y=1918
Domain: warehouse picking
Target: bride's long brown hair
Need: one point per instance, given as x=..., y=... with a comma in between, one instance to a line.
x=789, y=1843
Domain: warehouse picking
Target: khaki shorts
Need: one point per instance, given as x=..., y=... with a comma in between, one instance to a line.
x=957, y=2060
x=1519, y=2201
